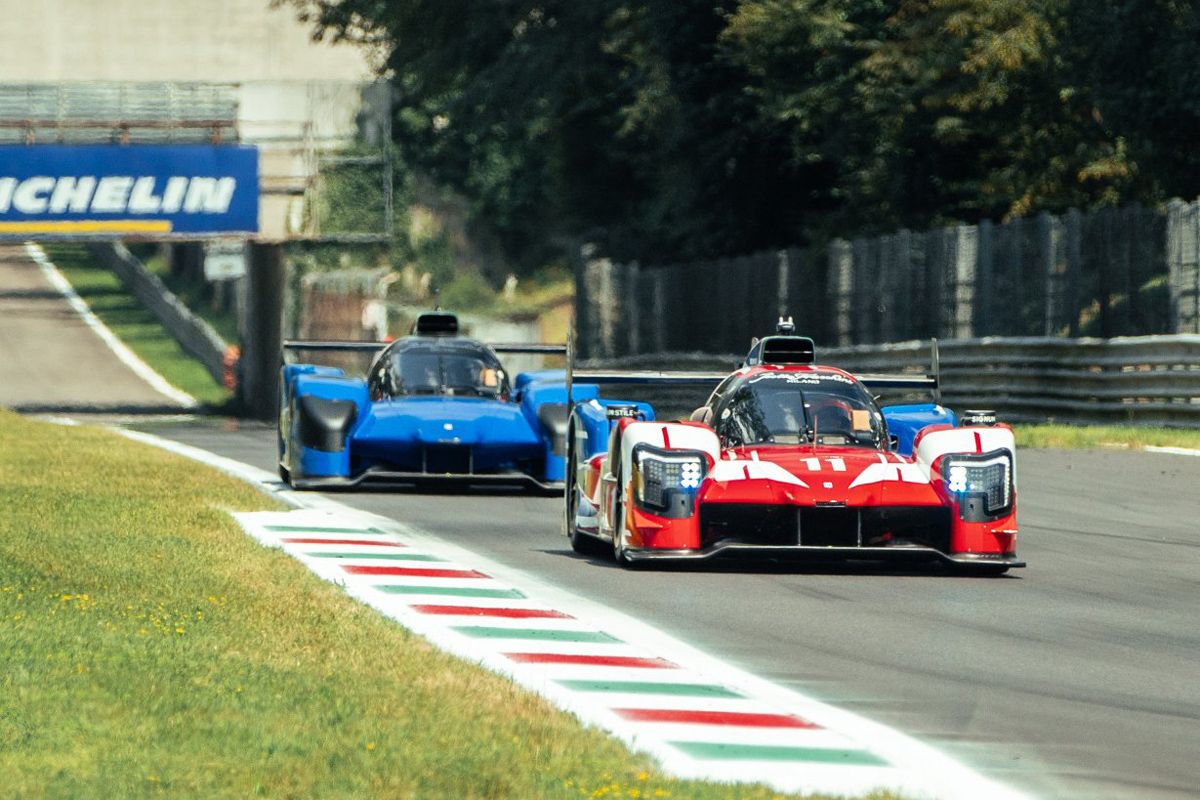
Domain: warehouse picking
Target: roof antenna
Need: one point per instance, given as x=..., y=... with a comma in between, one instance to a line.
x=785, y=326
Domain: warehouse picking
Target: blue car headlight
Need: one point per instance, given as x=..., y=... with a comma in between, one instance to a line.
x=666, y=481
x=986, y=478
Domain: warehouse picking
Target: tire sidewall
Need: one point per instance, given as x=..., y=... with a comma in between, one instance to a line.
x=570, y=487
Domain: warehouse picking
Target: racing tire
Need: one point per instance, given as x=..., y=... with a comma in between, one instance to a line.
x=619, y=551
x=618, y=540
x=285, y=474
x=580, y=542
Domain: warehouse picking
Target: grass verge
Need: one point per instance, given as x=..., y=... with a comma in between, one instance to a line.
x=1087, y=437
x=103, y=291
x=149, y=648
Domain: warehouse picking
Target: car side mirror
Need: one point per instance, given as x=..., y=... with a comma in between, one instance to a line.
x=893, y=442
x=701, y=414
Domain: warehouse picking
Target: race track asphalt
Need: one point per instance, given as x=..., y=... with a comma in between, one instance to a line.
x=1077, y=677
x=50, y=360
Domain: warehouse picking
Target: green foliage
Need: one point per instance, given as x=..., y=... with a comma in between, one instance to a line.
x=1096, y=437
x=466, y=292
x=350, y=196
x=681, y=129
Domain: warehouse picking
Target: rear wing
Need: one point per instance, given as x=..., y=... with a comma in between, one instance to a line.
x=650, y=377
x=875, y=382
x=332, y=346
x=633, y=377
x=899, y=382
x=337, y=346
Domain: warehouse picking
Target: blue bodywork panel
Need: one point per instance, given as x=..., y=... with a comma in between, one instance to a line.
x=593, y=418
x=906, y=420
x=422, y=435
x=401, y=432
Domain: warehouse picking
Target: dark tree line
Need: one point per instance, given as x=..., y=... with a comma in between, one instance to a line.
x=669, y=130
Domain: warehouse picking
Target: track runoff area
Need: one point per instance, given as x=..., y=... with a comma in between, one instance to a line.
x=700, y=717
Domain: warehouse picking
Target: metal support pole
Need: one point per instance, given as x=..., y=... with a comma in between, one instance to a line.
x=261, y=332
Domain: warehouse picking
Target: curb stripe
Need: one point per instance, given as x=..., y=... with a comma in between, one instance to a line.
x=647, y=687
x=538, y=634
x=739, y=719
x=454, y=591
x=485, y=611
x=592, y=661
x=356, y=542
x=762, y=752
x=413, y=572
x=378, y=556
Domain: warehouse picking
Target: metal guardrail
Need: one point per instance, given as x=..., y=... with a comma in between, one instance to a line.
x=1137, y=380
x=99, y=112
x=194, y=335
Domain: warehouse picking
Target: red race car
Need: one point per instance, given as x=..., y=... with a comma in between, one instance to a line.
x=789, y=459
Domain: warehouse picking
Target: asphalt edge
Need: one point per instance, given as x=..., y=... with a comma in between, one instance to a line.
x=118, y=348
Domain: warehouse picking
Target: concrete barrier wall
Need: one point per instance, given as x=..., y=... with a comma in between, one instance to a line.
x=194, y=335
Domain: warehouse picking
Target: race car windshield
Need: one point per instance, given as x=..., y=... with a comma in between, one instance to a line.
x=434, y=372
x=793, y=408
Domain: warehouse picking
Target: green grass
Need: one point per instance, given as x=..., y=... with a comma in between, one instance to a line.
x=149, y=648
x=1084, y=437
x=103, y=291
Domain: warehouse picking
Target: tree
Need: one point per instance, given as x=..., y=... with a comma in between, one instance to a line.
x=670, y=130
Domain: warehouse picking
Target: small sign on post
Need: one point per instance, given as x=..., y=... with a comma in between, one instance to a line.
x=224, y=260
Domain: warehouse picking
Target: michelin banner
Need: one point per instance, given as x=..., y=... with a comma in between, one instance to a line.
x=127, y=190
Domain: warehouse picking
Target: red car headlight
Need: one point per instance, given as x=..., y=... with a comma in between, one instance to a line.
x=986, y=478
x=666, y=481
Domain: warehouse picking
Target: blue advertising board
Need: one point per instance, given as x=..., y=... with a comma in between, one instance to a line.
x=121, y=190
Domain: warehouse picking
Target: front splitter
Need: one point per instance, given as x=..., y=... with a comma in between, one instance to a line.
x=386, y=478
x=801, y=553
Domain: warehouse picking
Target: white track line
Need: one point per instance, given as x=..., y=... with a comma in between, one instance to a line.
x=1176, y=451
x=912, y=767
x=119, y=348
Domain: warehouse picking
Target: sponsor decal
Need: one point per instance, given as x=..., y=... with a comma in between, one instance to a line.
x=622, y=412
x=977, y=417
x=802, y=378
x=128, y=189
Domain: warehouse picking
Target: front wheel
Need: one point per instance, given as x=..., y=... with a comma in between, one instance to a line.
x=580, y=542
x=618, y=540
x=283, y=432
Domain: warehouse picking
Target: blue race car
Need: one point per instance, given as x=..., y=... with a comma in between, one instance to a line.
x=435, y=407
